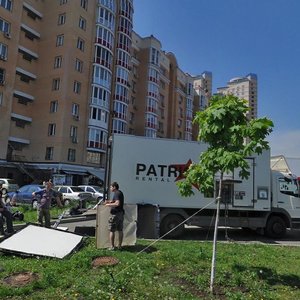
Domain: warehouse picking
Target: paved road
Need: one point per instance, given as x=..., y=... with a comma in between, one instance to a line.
x=203, y=234
x=239, y=235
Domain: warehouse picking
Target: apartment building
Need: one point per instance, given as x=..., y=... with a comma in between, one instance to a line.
x=163, y=97
x=244, y=88
x=60, y=63
x=72, y=73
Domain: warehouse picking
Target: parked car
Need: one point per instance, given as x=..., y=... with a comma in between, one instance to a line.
x=8, y=185
x=24, y=195
x=94, y=189
x=72, y=193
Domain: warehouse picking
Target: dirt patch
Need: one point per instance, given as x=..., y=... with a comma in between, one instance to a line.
x=20, y=279
x=104, y=261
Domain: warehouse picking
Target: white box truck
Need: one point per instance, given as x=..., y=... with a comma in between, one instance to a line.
x=147, y=170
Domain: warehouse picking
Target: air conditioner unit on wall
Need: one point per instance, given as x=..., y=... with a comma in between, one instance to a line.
x=2, y=82
x=3, y=57
x=7, y=35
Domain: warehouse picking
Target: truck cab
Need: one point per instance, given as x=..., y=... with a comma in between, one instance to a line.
x=286, y=197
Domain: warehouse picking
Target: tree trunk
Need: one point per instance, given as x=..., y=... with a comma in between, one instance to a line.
x=213, y=261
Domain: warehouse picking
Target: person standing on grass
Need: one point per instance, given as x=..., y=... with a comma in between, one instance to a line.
x=5, y=213
x=116, y=219
x=46, y=196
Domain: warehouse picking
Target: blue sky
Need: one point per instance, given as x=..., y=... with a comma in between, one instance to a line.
x=233, y=38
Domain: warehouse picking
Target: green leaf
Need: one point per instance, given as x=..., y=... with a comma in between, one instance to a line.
x=230, y=136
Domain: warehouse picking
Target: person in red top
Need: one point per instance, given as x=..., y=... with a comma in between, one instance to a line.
x=117, y=215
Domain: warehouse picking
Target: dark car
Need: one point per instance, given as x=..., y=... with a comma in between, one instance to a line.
x=24, y=195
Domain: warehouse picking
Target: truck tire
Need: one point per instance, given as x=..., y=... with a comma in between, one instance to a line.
x=168, y=223
x=276, y=227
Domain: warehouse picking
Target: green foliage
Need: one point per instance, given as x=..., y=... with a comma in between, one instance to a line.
x=230, y=136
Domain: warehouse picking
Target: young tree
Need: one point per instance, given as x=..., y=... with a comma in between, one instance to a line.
x=230, y=137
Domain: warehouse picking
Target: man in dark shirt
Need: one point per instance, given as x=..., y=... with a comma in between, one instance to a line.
x=4, y=212
x=46, y=196
x=117, y=215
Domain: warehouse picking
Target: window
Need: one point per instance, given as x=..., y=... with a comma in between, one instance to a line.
x=108, y=3
x=97, y=138
x=102, y=77
x=98, y=114
x=103, y=57
x=3, y=51
x=73, y=131
x=80, y=44
x=55, y=84
x=6, y=4
x=57, y=62
x=93, y=157
x=71, y=154
x=82, y=23
x=104, y=37
x=154, y=56
x=100, y=96
x=63, y=2
x=84, y=4
x=2, y=76
x=106, y=18
x=49, y=153
x=53, y=106
x=78, y=65
x=4, y=26
x=59, y=40
x=61, y=19
x=76, y=87
x=51, y=129
x=1, y=98
x=75, y=109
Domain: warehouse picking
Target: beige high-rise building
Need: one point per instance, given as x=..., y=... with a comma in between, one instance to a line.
x=243, y=88
x=163, y=97
x=72, y=72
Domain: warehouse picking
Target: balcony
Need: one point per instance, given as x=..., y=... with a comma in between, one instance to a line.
x=25, y=75
x=27, y=54
x=32, y=12
x=23, y=98
x=29, y=32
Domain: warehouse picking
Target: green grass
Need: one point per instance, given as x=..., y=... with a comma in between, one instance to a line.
x=165, y=270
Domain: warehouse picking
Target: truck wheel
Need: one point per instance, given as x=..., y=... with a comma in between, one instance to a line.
x=169, y=222
x=276, y=227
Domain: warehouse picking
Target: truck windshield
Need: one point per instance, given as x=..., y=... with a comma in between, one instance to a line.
x=289, y=186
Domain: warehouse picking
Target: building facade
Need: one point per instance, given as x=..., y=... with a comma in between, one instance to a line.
x=73, y=72
x=244, y=88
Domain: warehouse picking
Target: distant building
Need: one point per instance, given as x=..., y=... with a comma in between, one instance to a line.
x=244, y=88
x=74, y=72
x=164, y=98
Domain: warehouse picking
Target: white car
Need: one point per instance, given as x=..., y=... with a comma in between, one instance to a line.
x=94, y=189
x=8, y=185
x=72, y=193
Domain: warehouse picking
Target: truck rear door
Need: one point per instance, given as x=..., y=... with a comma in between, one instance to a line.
x=243, y=192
